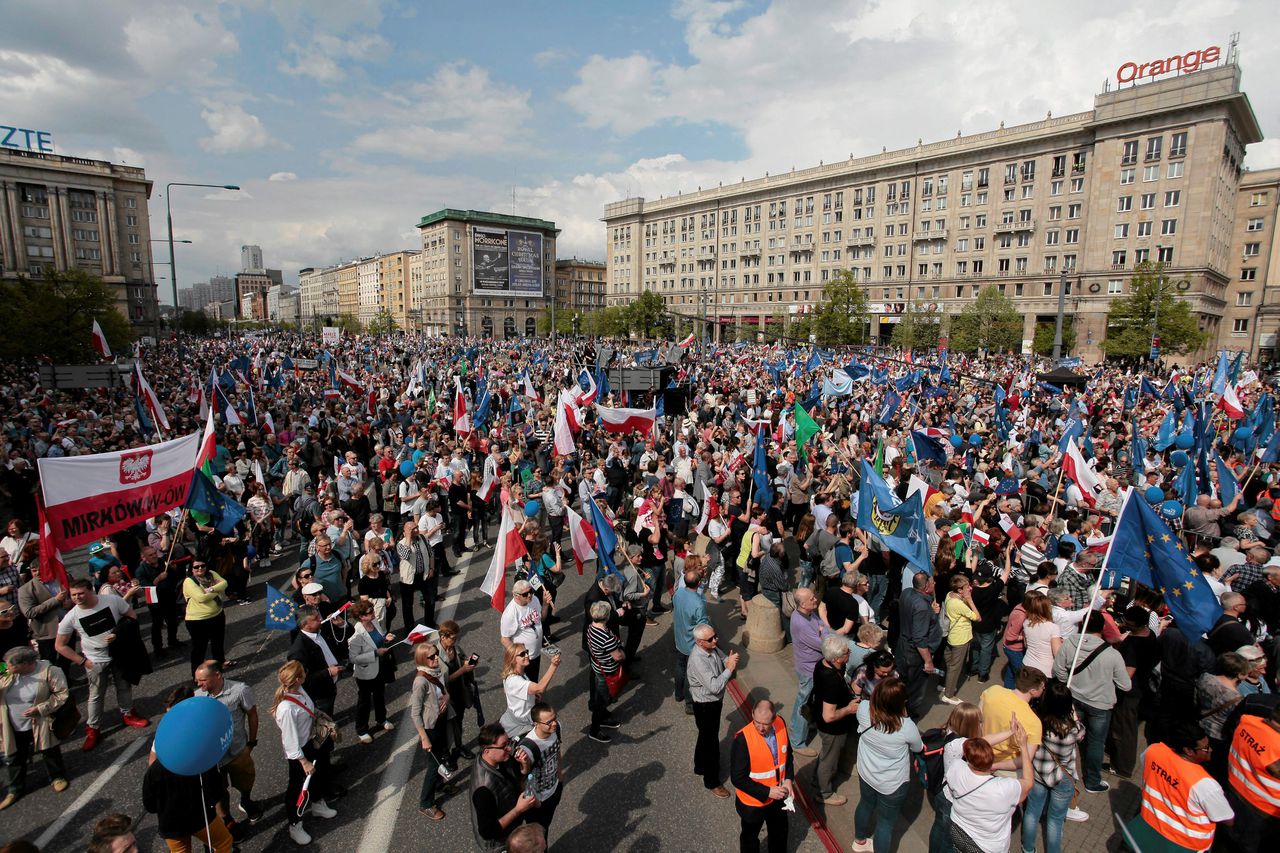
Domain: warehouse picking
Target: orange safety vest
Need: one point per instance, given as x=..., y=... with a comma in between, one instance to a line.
x=1254, y=747
x=764, y=768
x=1167, y=780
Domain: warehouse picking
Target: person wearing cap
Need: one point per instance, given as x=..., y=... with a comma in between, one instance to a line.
x=312, y=650
x=1254, y=681
x=521, y=623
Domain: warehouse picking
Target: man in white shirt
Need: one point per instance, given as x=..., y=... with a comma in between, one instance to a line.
x=94, y=620
x=545, y=766
x=521, y=622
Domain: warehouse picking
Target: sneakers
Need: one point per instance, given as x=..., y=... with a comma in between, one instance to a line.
x=864, y=846
x=600, y=737
x=1077, y=815
x=60, y=785
x=254, y=813
x=446, y=772
x=835, y=799
x=611, y=724
x=134, y=721
x=365, y=738
x=951, y=700
x=1102, y=788
x=320, y=808
x=388, y=726
x=9, y=800
x=298, y=835
x=90, y=739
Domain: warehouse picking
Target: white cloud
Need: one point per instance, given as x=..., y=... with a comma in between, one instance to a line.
x=282, y=176
x=319, y=58
x=234, y=129
x=173, y=45
x=550, y=56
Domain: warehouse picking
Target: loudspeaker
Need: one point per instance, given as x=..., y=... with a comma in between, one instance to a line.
x=675, y=401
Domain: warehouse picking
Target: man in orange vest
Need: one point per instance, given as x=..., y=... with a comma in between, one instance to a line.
x=1181, y=802
x=761, y=769
x=1253, y=770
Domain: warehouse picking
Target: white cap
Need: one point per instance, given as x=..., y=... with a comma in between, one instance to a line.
x=312, y=588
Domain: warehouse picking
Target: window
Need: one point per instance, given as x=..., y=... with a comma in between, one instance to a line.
x=1168, y=227
x=1130, y=154
x=1072, y=236
x=134, y=240
x=1148, y=201
x=1244, y=299
x=1254, y=225
x=1249, y=274
x=1126, y=176
x=1141, y=256
x=1055, y=213
x=1122, y=231
x=131, y=203
x=1115, y=286
x=1144, y=228
x=1164, y=254
x=38, y=232
x=1240, y=326
x=1178, y=145
x=1257, y=199
x=1077, y=185
x=1118, y=259
x=1051, y=237
x=131, y=221
x=1175, y=170
x=1172, y=197
x=41, y=251
x=1251, y=250
x=1150, y=173
x=1153, y=147
x=1017, y=289
x=1124, y=204
x=88, y=254
x=1055, y=188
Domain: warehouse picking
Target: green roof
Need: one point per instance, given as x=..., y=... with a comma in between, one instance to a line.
x=485, y=217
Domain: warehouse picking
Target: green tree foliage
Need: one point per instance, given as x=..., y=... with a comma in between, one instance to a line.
x=382, y=324
x=842, y=315
x=648, y=316
x=919, y=329
x=348, y=324
x=195, y=323
x=990, y=322
x=1043, y=344
x=1131, y=318
x=51, y=317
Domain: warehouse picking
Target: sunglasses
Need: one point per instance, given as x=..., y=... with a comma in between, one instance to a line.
x=523, y=655
x=429, y=657
x=306, y=575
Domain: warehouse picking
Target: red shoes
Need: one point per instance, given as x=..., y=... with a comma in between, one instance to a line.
x=133, y=720
x=90, y=738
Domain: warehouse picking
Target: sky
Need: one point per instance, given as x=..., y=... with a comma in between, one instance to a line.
x=346, y=121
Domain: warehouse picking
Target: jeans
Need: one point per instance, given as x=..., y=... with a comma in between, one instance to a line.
x=1058, y=800
x=99, y=675
x=1096, y=723
x=1014, y=663
x=682, y=678
x=984, y=652
x=884, y=807
x=940, y=834
x=799, y=726
x=877, y=589
x=428, y=795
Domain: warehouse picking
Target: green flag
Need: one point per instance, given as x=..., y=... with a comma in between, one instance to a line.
x=806, y=428
x=431, y=401
x=879, y=463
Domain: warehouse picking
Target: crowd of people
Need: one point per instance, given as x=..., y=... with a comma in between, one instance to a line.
x=749, y=487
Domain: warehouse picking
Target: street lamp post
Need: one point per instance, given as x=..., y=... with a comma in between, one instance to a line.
x=168, y=209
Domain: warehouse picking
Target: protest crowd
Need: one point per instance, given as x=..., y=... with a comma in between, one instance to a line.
x=1089, y=554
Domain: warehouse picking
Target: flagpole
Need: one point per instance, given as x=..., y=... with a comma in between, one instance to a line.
x=1097, y=585
x=177, y=535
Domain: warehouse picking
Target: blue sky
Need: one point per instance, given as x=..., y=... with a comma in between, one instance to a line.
x=345, y=122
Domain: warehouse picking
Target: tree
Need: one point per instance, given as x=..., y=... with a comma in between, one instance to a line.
x=564, y=321
x=349, y=325
x=1132, y=317
x=841, y=317
x=990, y=322
x=195, y=322
x=919, y=329
x=648, y=315
x=1043, y=343
x=52, y=317
x=382, y=324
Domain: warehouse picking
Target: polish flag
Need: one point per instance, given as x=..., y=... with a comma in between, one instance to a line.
x=568, y=401
x=1011, y=530
x=1078, y=470
x=956, y=532
x=100, y=341
x=981, y=537
x=757, y=425
x=915, y=484
x=152, y=594
x=1098, y=544
x=349, y=380
x=563, y=443
x=1229, y=402
x=626, y=420
x=268, y=421
x=528, y=389
x=332, y=394
x=485, y=492
x=420, y=634
x=208, y=442
x=337, y=466
x=508, y=549
x=52, y=567
x=710, y=509
x=149, y=398
x=588, y=397
x=583, y=539
x=461, y=420
x=686, y=342
x=966, y=513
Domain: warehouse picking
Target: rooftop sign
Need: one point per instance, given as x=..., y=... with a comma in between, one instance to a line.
x=1131, y=72
x=25, y=139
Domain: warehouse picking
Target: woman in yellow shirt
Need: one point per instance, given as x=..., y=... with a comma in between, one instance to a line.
x=961, y=614
x=206, y=623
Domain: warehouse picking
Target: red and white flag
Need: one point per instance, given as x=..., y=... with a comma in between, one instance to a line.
x=563, y=441
x=686, y=342
x=583, y=538
x=1098, y=544
x=268, y=421
x=100, y=341
x=1012, y=530
x=1229, y=402
x=588, y=396
x=626, y=420
x=915, y=484
x=568, y=401
x=461, y=420
x=956, y=532
x=528, y=389
x=485, y=492
x=1078, y=470
x=149, y=398
x=710, y=509
x=420, y=634
x=966, y=513
x=208, y=442
x=509, y=548
x=88, y=497
x=151, y=594
x=981, y=537
x=349, y=380
x=52, y=568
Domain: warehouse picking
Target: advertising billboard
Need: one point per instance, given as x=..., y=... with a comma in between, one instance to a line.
x=506, y=262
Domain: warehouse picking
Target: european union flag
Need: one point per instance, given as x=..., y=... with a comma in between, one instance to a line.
x=606, y=540
x=282, y=615
x=857, y=371
x=1228, y=485
x=899, y=525
x=891, y=403
x=204, y=497
x=603, y=389
x=1145, y=549
x=1009, y=486
x=929, y=449
x=760, y=472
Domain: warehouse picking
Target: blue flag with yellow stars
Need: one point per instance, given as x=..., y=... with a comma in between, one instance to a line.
x=1144, y=548
x=281, y=612
x=898, y=524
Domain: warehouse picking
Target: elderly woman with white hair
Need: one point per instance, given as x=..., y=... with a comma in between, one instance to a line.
x=31, y=692
x=834, y=710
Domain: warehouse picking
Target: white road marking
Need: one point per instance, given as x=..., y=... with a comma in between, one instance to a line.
x=381, y=822
x=92, y=791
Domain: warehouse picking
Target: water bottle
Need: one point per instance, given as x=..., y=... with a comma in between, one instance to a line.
x=529, y=788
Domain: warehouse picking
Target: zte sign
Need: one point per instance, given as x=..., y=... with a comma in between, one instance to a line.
x=1131, y=72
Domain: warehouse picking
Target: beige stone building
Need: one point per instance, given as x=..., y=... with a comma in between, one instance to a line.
x=72, y=213
x=347, y=278
x=251, y=294
x=1151, y=173
x=485, y=274
x=1251, y=319
x=580, y=285
x=368, y=290
x=393, y=287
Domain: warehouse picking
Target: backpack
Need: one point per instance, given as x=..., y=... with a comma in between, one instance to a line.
x=928, y=762
x=944, y=618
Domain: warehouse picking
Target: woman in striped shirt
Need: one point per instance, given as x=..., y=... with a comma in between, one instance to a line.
x=605, y=650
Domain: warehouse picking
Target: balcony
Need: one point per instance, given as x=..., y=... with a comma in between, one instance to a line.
x=1016, y=226
x=925, y=236
x=868, y=240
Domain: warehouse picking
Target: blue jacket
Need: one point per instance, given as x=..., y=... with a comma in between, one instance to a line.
x=688, y=608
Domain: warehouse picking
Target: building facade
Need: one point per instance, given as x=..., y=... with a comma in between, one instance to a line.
x=1252, y=317
x=347, y=279
x=580, y=285
x=251, y=259
x=1151, y=173
x=368, y=290
x=70, y=213
x=251, y=294
x=394, y=270
x=485, y=274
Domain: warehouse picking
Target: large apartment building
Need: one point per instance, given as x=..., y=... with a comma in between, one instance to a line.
x=1251, y=318
x=72, y=213
x=485, y=274
x=361, y=289
x=1152, y=173
x=580, y=285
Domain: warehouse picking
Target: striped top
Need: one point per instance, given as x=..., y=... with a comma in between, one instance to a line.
x=600, y=643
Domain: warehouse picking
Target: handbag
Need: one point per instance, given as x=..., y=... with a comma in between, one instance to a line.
x=66, y=718
x=788, y=603
x=615, y=682
x=323, y=727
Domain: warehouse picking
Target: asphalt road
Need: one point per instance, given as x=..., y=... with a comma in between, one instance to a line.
x=638, y=793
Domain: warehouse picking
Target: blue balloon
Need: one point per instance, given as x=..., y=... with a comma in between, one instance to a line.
x=1171, y=509
x=532, y=508
x=975, y=440
x=1242, y=435
x=1179, y=458
x=193, y=736
x=957, y=441
x=1154, y=495
x=407, y=468
x=1184, y=441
